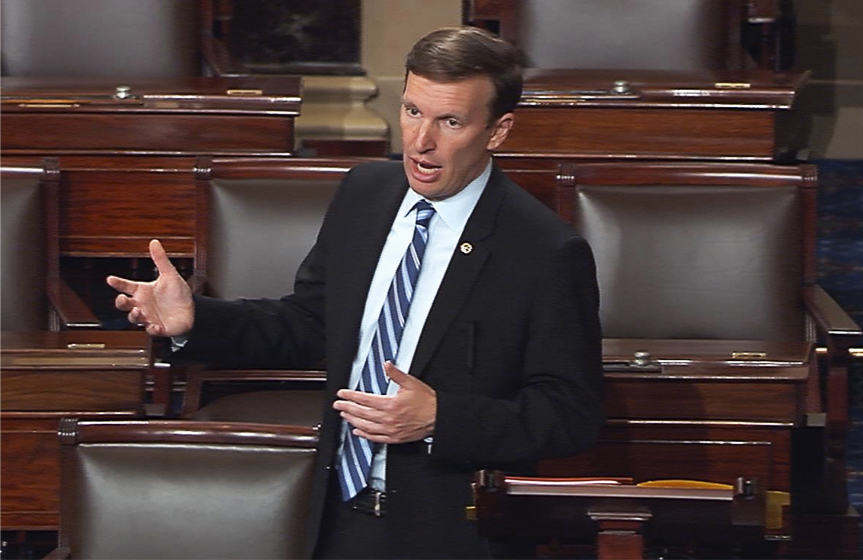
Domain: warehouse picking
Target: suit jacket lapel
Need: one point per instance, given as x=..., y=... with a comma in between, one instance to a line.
x=462, y=273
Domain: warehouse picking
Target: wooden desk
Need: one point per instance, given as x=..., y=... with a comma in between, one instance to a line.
x=168, y=117
x=47, y=376
x=711, y=410
x=615, y=519
x=712, y=115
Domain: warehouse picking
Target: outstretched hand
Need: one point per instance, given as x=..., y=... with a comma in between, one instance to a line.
x=409, y=415
x=164, y=306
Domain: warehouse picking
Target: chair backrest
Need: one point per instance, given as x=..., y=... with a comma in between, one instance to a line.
x=23, y=251
x=182, y=489
x=109, y=208
x=264, y=219
x=700, y=251
x=113, y=207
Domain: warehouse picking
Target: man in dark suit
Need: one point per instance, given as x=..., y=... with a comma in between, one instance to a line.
x=499, y=361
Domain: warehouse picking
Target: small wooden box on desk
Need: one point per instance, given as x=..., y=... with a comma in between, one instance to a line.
x=47, y=376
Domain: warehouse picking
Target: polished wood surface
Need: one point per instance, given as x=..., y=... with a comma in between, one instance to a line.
x=755, y=381
x=713, y=115
x=713, y=451
x=711, y=410
x=115, y=211
x=48, y=376
x=192, y=116
x=146, y=134
x=185, y=431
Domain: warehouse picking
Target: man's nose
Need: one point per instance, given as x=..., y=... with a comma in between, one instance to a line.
x=424, y=140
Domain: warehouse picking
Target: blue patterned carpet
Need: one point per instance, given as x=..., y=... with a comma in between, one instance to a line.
x=840, y=233
x=840, y=272
x=854, y=458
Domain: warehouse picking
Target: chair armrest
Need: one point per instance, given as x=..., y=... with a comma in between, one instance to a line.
x=70, y=308
x=828, y=313
x=840, y=331
x=842, y=338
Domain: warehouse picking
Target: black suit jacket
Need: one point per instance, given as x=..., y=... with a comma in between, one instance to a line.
x=511, y=345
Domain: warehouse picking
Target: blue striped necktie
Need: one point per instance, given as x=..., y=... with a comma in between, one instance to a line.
x=356, y=458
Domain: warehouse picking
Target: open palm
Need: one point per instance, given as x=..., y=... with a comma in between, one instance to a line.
x=164, y=306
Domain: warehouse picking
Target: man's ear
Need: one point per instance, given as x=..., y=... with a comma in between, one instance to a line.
x=500, y=130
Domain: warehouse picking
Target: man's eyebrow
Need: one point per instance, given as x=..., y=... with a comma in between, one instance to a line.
x=447, y=116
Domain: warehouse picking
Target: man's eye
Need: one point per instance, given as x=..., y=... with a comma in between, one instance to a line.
x=412, y=111
x=453, y=123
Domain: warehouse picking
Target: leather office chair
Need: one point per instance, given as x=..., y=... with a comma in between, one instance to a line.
x=178, y=489
x=24, y=205
x=264, y=218
x=703, y=251
x=707, y=251
x=713, y=251
x=264, y=215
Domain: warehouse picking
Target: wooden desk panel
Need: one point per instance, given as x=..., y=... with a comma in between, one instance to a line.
x=720, y=380
x=714, y=452
x=30, y=467
x=66, y=389
x=44, y=380
x=594, y=115
x=641, y=133
x=50, y=134
x=102, y=209
x=170, y=116
x=711, y=410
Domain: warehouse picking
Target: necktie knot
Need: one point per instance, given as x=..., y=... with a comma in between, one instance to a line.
x=425, y=211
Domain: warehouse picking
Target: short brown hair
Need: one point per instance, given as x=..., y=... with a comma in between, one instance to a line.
x=454, y=53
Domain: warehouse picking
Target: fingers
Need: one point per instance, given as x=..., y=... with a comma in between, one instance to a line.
x=367, y=400
x=123, y=303
x=366, y=422
x=136, y=316
x=160, y=257
x=397, y=375
x=122, y=285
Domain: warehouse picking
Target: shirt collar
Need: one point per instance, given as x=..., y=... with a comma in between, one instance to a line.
x=456, y=209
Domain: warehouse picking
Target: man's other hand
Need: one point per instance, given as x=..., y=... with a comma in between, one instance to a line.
x=409, y=415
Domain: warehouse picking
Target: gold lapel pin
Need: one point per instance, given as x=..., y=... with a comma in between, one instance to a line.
x=466, y=248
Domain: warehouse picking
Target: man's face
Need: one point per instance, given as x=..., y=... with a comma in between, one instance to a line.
x=446, y=135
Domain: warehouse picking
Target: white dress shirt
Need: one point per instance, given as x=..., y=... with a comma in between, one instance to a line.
x=445, y=229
